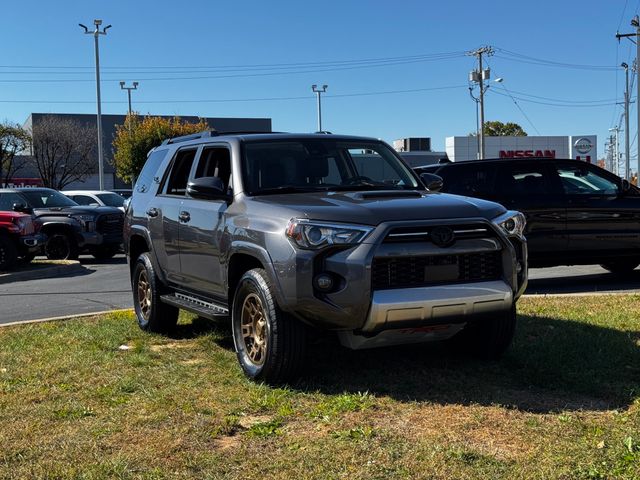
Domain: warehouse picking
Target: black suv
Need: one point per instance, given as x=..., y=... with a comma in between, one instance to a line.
x=577, y=213
x=279, y=231
x=70, y=228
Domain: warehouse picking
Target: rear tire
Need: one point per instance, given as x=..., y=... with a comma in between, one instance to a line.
x=152, y=314
x=488, y=338
x=8, y=253
x=621, y=267
x=61, y=246
x=270, y=344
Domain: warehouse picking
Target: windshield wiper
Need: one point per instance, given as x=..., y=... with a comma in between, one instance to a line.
x=363, y=186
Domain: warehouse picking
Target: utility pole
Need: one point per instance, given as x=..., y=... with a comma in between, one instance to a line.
x=128, y=89
x=96, y=33
x=479, y=76
x=318, y=92
x=635, y=22
x=476, y=100
x=627, y=147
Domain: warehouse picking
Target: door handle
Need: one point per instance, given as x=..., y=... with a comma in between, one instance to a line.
x=152, y=212
x=184, y=216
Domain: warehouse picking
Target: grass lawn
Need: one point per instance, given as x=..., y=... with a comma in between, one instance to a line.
x=563, y=403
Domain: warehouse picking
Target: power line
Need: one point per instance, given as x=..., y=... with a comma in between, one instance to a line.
x=553, y=104
x=520, y=108
x=518, y=57
x=264, y=99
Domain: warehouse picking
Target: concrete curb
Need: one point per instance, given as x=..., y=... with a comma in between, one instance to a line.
x=70, y=266
x=65, y=317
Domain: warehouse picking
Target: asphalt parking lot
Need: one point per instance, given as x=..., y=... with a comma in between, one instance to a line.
x=104, y=285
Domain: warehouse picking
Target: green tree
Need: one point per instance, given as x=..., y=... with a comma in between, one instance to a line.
x=138, y=135
x=499, y=129
x=13, y=140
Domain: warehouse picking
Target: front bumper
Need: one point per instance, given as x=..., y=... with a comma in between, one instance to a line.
x=402, y=308
x=32, y=243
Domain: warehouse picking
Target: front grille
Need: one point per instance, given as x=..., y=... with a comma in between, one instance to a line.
x=423, y=233
x=111, y=225
x=420, y=271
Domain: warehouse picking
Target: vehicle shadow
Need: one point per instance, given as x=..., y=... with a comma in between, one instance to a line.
x=553, y=365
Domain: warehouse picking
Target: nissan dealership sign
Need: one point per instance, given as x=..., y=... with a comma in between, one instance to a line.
x=582, y=147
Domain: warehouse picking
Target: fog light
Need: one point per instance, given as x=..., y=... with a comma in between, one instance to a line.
x=323, y=282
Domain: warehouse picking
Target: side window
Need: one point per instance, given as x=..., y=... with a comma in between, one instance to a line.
x=83, y=200
x=471, y=181
x=215, y=162
x=526, y=179
x=580, y=180
x=7, y=200
x=150, y=171
x=176, y=182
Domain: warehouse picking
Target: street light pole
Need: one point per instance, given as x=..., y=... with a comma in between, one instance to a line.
x=96, y=33
x=128, y=89
x=318, y=92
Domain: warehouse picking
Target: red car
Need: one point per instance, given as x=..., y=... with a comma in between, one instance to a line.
x=19, y=238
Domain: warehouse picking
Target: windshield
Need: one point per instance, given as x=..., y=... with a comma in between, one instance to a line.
x=111, y=199
x=47, y=199
x=322, y=164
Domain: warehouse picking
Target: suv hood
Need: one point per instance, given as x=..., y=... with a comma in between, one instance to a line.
x=76, y=210
x=375, y=207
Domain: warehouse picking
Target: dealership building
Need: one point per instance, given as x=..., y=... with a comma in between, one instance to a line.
x=581, y=147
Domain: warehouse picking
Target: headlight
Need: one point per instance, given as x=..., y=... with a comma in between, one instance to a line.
x=511, y=223
x=87, y=221
x=315, y=235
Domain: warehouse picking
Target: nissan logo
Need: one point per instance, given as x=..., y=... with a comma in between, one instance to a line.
x=583, y=145
x=442, y=236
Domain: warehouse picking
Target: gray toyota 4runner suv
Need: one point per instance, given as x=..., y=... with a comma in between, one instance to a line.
x=282, y=232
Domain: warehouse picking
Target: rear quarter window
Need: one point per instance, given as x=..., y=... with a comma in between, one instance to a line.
x=146, y=180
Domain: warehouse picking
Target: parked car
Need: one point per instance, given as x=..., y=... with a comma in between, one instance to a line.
x=123, y=192
x=71, y=229
x=284, y=231
x=96, y=197
x=19, y=238
x=577, y=213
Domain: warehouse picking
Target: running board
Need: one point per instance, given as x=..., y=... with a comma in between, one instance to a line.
x=195, y=305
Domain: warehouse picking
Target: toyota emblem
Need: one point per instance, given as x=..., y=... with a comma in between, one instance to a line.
x=443, y=236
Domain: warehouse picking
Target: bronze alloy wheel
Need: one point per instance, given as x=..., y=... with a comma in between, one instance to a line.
x=144, y=294
x=254, y=328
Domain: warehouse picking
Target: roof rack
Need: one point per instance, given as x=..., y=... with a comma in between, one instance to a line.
x=210, y=133
x=193, y=136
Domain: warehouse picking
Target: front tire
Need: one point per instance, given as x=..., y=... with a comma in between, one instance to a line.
x=269, y=344
x=8, y=253
x=61, y=246
x=152, y=314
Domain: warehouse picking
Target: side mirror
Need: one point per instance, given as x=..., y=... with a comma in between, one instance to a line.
x=432, y=181
x=21, y=207
x=625, y=186
x=207, y=188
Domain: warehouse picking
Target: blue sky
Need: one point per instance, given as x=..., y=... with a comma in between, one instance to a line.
x=253, y=44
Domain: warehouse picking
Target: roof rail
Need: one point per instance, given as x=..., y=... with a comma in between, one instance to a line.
x=193, y=136
x=211, y=133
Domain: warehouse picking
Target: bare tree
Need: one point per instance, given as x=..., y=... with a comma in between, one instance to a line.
x=13, y=140
x=63, y=151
